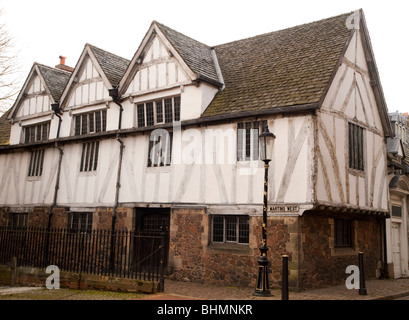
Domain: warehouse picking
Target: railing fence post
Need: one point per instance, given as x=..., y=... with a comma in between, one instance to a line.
x=362, y=289
x=284, y=282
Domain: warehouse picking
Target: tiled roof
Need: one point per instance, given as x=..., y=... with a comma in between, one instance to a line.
x=279, y=69
x=113, y=66
x=5, y=128
x=196, y=55
x=55, y=79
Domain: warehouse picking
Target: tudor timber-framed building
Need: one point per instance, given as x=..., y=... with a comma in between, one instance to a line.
x=84, y=150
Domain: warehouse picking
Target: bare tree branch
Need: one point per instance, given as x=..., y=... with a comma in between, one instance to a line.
x=9, y=69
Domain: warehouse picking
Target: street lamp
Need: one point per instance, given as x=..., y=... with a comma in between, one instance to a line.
x=266, y=140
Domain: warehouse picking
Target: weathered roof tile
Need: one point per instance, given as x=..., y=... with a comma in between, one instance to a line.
x=196, y=55
x=279, y=69
x=113, y=66
x=55, y=79
x=5, y=128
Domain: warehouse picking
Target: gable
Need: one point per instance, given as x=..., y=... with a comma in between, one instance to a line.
x=35, y=100
x=352, y=92
x=158, y=69
x=88, y=86
x=43, y=86
x=167, y=58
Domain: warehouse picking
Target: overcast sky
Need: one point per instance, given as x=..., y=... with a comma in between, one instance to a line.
x=45, y=29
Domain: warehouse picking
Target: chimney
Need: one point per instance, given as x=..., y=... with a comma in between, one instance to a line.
x=62, y=65
x=62, y=60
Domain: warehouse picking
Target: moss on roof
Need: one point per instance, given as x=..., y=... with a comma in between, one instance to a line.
x=5, y=128
x=279, y=69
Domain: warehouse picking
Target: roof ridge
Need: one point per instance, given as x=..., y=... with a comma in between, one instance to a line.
x=289, y=67
x=105, y=51
x=113, y=65
x=51, y=68
x=284, y=29
x=197, y=55
x=165, y=26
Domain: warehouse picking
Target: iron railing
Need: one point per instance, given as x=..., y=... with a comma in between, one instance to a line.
x=124, y=254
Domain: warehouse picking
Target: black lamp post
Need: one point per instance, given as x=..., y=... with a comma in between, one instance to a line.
x=266, y=140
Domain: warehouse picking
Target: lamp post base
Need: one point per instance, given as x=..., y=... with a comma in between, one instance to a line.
x=262, y=293
x=263, y=288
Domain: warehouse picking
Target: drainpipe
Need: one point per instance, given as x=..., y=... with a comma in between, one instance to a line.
x=56, y=108
x=113, y=93
x=385, y=271
x=118, y=179
x=118, y=187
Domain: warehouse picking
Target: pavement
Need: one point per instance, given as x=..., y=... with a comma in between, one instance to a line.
x=179, y=290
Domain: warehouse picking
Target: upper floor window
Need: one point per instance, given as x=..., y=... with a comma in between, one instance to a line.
x=90, y=122
x=247, y=140
x=159, y=111
x=356, y=147
x=35, y=167
x=38, y=132
x=89, y=156
x=160, y=148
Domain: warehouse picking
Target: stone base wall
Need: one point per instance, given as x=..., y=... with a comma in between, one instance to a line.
x=323, y=264
x=102, y=217
x=193, y=257
x=37, y=277
x=314, y=262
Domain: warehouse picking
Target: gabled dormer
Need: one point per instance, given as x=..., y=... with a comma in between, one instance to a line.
x=31, y=113
x=168, y=64
x=97, y=72
x=87, y=92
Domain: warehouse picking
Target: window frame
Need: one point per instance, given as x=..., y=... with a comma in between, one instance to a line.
x=36, y=163
x=81, y=217
x=343, y=234
x=158, y=111
x=164, y=153
x=356, y=147
x=89, y=156
x=238, y=230
x=248, y=133
x=90, y=122
x=36, y=132
x=18, y=220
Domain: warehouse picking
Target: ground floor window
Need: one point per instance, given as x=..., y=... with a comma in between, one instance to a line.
x=230, y=229
x=18, y=220
x=80, y=221
x=343, y=233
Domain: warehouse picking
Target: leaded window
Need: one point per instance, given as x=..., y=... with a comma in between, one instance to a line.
x=234, y=229
x=89, y=156
x=159, y=111
x=91, y=122
x=356, y=147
